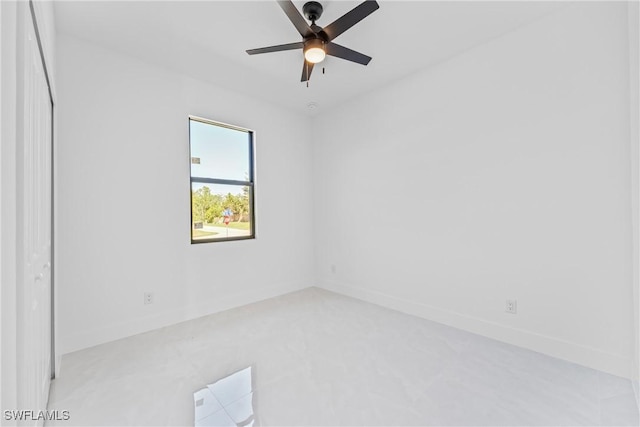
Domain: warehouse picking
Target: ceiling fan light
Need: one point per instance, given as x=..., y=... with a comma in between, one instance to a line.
x=314, y=51
x=315, y=55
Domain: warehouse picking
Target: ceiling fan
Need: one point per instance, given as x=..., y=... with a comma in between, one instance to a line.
x=317, y=42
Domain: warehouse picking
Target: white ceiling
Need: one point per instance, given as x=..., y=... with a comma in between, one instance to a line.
x=208, y=39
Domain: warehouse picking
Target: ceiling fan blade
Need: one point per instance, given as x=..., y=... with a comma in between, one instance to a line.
x=339, y=51
x=350, y=18
x=307, y=68
x=278, y=48
x=295, y=17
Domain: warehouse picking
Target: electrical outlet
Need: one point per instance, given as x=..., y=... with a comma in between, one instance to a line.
x=148, y=298
x=511, y=306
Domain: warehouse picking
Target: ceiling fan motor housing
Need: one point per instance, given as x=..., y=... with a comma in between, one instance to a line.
x=312, y=10
x=312, y=43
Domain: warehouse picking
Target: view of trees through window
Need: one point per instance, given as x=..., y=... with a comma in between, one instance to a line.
x=221, y=182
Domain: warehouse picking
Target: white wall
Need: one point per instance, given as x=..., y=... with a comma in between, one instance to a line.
x=8, y=183
x=124, y=222
x=634, y=119
x=502, y=173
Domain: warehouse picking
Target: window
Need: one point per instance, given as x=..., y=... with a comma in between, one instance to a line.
x=221, y=182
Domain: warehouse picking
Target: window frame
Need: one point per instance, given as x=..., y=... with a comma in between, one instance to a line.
x=250, y=183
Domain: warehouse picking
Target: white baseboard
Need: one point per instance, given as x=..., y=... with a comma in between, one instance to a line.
x=115, y=331
x=572, y=352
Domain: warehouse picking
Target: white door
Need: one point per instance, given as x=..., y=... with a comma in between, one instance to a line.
x=34, y=109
